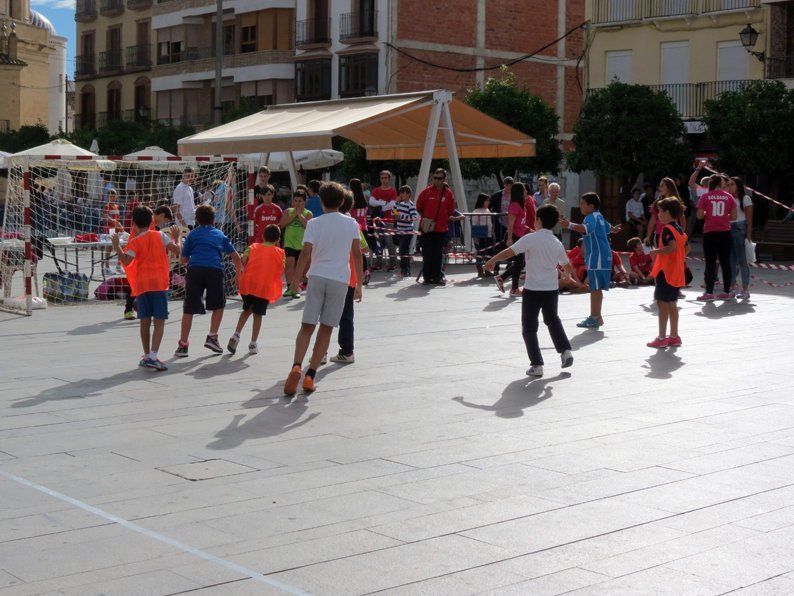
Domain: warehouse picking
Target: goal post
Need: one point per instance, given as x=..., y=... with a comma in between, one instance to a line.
x=60, y=213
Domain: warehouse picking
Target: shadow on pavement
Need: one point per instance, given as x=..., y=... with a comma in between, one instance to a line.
x=277, y=415
x=518, y=395
x=586, y=338
x=410, y=291
x=726, y=309
x=663, y=364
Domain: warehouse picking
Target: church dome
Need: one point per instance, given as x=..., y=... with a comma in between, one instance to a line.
x=39, y=21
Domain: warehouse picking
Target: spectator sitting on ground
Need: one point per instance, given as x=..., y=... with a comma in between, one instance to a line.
x=568, y=283
x=576, y=257
x=639, y=263
x=619, y=274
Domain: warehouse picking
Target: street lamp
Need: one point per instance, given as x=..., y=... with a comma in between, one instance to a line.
x=749, y=37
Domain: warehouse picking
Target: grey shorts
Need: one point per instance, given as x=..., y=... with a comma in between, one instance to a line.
x=325, y=301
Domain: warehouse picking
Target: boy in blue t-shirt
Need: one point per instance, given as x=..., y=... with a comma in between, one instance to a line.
x=203, y=252
x=598, y=254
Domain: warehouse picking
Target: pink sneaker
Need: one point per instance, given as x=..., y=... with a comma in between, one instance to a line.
x=659, y=342
x=706, y=298
x=673, y=342
x=724, y=296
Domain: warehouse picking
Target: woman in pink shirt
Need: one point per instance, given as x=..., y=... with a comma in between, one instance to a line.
x=717, y=209
x=516, y=228
x=667, y=188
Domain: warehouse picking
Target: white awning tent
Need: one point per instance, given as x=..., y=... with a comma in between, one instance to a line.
x=424, y=125
x=3, y=156
x=153, y=153
x=55, y=149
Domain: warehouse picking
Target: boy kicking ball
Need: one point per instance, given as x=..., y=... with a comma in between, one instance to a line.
x=542, y=253
x=145, y=260
x=327, y=246
x=260, y=285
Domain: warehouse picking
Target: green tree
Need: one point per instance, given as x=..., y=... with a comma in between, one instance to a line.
x=167, y=137
x=27, y=137
x=506, y=100
x=752, y=129
x=625, y=130
x=356, y=165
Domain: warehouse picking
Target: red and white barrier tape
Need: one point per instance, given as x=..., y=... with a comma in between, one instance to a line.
x=752, y=190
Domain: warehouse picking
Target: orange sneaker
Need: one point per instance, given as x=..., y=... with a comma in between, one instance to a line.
x=308, y=384
x=291, y=384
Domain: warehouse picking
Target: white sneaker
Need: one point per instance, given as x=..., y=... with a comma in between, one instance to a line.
x=567, y=358
x=343, y=359
x=535, y=371
x=253, y=348
x=324, y=360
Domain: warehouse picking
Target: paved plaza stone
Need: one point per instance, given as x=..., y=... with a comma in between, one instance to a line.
x=430, y=466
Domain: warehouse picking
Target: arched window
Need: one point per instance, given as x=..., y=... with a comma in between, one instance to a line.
x=87, y=114
x=113, y=101
x=143, y=102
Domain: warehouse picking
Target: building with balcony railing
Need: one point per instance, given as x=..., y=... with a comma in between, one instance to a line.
x=111, y=8
x=612, y=12
x=85, y=11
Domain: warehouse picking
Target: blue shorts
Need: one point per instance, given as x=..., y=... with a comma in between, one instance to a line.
x=152, y=305
x=599, y=279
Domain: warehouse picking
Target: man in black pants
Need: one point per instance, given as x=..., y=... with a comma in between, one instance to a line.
x=435, y=204
x=542, y=252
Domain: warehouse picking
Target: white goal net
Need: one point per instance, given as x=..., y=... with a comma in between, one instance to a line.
x=59, y=213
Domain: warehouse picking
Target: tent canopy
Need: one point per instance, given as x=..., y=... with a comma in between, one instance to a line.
x=60, y=148
x=152, y=152
x=387, y=126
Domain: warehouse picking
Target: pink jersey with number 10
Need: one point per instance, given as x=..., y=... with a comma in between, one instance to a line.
x=717, y=205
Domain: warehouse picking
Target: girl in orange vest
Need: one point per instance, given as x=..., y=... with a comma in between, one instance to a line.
x=260, y=284
x=145, y=260
x=669, y=271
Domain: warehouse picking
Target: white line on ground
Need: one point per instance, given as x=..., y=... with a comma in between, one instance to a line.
x=157, y=536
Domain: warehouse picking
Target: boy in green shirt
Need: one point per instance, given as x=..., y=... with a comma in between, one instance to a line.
x=293, y=222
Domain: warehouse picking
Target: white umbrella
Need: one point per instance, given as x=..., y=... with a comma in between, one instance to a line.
x=3, y=155
x=153, y=152
x=315, y=159
x=60, y=147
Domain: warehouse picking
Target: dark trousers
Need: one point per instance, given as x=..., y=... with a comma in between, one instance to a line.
x=717, y=245
x=346, y=329
x=534, y=302
x=432, y=247
x=514, y=270
x=129, y=303
x=405, y=256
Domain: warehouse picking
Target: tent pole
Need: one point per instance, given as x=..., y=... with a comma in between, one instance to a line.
x=454, y=165
x=430, y=144
x=293, y=171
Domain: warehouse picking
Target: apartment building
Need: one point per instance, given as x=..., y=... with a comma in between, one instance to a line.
x=114, y=61
x=258, y=50
x=692, y=49
x=350, y=48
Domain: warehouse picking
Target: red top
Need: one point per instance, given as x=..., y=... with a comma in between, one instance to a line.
x=264, y=215
x=112, y=214
x=428, y=206
x=530, y=212
x=642, y=261
x=385, y=194
x=717, y=206
x=575, y=257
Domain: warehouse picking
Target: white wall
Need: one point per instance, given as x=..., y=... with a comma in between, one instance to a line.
x=56, y=117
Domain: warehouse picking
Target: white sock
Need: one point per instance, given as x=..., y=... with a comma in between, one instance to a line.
x=153, y=355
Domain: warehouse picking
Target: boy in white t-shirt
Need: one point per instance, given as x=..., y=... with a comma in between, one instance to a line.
x=543, y=252
x=328, y=243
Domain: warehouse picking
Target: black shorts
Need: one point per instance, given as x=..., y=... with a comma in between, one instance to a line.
x=255, y=304
x=664, y=292
x=292, y=252
x=199, y=280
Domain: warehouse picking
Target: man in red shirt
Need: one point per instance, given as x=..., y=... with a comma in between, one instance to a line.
x=267, y=213
x=382, y=200
x=435, y=203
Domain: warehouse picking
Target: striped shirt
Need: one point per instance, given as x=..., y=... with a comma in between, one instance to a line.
x=405, y=216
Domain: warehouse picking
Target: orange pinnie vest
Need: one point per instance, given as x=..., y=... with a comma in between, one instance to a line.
x=673, y=264
x=149, y=270
x=262, y=275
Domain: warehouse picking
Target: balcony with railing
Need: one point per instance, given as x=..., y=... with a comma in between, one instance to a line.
x=690, y=98
x=138, y=4
x=140, y=114
x=5, y=126
x=84, y=67
x=780, y=67
x=312, y=32
x=111, y=8
x=615, y=12
x=103, y=118
x=139, y=57
x=110, y=61
x=85, y=11
x=202, y=59
x=357, y=27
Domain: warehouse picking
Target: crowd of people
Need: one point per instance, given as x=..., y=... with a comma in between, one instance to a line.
x=326, y=243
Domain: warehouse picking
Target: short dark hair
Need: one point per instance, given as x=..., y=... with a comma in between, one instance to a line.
x=647, y=185
x=269, y=189
x=671, y=205
x=314, y=186
x=272, y=233
x=347, y=204
x=302, y=187
x=508, y=180
x=591, y=198
x=205, y=215
x=714, y=182
x=263, y=170
x=548, y=216
x=440, y=171
x=635, y=189
x=299, y=194
x=166, y=211
x=406, y=188
x=332, y=194
x=633, y=242
x=142, y=217
x=189, y=170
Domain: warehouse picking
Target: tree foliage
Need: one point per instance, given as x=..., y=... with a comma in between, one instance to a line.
x=356, y=165
x=625, y=130
x=26, y=137
x=752, y=129
x=120, y=137
x=506, y=100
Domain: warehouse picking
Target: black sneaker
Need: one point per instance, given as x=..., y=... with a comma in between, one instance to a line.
x=212, y=343
x=181, y=351
x=234, y=340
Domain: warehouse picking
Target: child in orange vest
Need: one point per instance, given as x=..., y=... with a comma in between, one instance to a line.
x=145, y=260
x=260, y=284
x=669, y=272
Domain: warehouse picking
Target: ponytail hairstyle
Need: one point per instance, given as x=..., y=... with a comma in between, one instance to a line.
x=517, y=194
x=357, y=188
